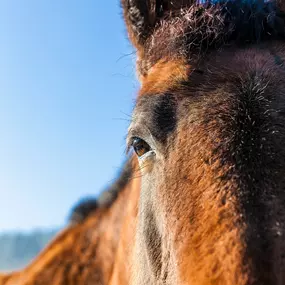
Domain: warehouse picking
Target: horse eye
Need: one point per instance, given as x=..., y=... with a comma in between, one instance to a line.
x=140, y=147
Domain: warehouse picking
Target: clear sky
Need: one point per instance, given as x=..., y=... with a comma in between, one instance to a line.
x=67, y=88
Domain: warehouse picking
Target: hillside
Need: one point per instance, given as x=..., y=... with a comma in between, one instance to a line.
x=18, y=249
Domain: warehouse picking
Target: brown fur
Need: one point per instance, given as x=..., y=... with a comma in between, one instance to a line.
x=214, y=196
x=164, y=75
x=212, y=200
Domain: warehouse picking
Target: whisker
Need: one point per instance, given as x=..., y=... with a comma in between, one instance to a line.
x=130, y=116
x=125, y=55
x=121, y=119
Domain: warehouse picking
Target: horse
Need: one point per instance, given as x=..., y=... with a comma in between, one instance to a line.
x=207, y=133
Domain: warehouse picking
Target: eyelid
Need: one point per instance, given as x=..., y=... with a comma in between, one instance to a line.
x=130, y=140
x=150, y=153
x=133, y=133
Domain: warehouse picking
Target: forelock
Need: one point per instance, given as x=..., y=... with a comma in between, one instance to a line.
x=195, y=30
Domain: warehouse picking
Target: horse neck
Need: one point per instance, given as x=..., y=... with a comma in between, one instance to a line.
x=100, y=245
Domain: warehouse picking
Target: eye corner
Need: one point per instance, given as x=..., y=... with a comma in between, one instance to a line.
x=130, y=140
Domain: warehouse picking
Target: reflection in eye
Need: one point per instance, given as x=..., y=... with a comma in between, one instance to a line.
x=140, y=146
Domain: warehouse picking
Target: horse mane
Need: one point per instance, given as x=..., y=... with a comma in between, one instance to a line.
x=197, y=28
x=88, y=205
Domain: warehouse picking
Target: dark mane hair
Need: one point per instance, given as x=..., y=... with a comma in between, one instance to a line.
x=200, y=27
x=88, y=205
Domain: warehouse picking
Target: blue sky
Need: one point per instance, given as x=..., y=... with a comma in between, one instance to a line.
x=67, y=86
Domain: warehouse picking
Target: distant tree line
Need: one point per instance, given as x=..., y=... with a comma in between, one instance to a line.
x=18, y=249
